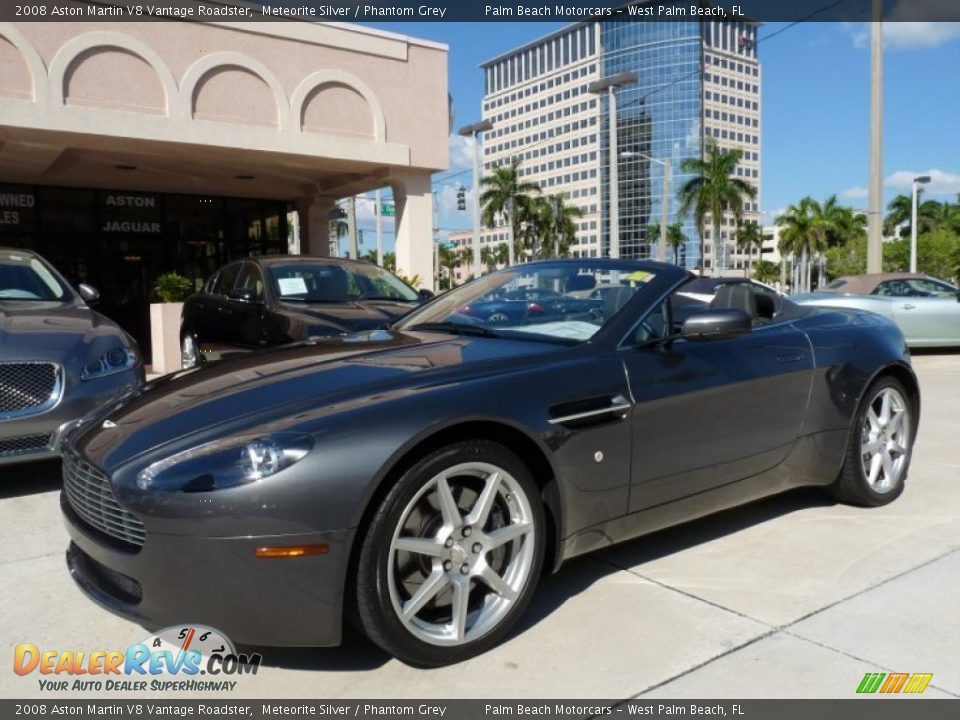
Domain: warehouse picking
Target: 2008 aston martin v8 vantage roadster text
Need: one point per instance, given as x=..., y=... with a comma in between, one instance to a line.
x=421, y=478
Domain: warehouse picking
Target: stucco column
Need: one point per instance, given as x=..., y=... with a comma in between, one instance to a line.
x=313, y=212
x=414, y=239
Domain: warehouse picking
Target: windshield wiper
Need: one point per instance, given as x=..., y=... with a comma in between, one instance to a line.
x=384, y=297
x=309, y=300
x=456, y=329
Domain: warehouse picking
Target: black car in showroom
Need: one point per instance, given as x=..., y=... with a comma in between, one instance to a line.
x=420, y=478
x=59, y=358
x=276, y=299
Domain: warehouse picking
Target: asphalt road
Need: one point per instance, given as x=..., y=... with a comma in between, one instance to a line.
x=789, y=597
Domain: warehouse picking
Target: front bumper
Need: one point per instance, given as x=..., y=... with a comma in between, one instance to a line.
x=32, y=437
x=217, y=582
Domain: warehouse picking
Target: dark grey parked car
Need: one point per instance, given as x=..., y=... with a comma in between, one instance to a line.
x=420, y=478
x=59, y=359
x=276, y=299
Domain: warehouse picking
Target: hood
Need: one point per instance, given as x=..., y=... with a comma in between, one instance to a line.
x=354, y=315
x=53, y=331
x=316, y=377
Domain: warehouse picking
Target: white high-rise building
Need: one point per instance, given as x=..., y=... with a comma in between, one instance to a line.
x=697, y=82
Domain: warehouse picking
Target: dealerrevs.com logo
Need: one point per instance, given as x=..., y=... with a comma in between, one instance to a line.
x=186, y=658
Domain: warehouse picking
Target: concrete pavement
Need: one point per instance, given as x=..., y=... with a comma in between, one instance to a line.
x=790, y=597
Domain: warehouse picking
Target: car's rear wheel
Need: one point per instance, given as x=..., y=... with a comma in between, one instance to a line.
x=189, y=351
x=880, y=446
x=452, y=556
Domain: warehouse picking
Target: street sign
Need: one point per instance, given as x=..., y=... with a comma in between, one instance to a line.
x=448, y=245
x=388, y=209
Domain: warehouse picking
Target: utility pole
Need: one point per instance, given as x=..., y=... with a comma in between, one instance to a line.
x=608, y=86
x=875, y=212
x=379, y=230
x=474, y=132
x=352, y=227
x=436, y=240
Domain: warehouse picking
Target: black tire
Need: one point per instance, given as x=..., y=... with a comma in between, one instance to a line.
x=852, y=485
x=378, y=618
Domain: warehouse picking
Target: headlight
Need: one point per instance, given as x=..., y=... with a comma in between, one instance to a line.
x=111, y=362
x=225, y=463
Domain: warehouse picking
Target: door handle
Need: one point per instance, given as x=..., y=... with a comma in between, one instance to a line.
x=908, y=306
x=790, y=358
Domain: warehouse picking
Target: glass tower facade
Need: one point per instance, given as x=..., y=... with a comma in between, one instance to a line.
x=658, y=118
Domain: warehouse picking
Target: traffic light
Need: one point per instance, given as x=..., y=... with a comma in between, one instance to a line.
x=461, y=198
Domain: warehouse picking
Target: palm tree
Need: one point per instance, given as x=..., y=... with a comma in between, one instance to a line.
x=676, y=240
x=749, y=236
x=797, y=238
x=390, y=262
x=712, y=191
x=369, y=256
x=488, y=258
x=502, y=254
x=448, y=258
x=338, y=230
x=561, y=227
x=766, y=272
x=508, y=196
x=899, y=211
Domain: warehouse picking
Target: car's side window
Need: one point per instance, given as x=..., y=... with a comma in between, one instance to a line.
x=226, y=279
x=251, y=279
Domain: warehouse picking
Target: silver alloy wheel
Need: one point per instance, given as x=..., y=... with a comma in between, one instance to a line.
x=188, y=352
x=885, y=440
x=461, y=554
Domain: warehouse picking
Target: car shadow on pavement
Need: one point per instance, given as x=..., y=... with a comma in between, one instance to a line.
x=356, y=653
x=580, y=573
x=29, y=478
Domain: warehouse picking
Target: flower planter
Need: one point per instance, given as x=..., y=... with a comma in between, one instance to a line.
x=165, y=336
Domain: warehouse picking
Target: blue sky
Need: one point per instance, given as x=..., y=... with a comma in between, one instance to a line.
x=815, y=99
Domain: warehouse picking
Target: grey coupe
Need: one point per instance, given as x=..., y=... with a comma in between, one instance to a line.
x=926, y=309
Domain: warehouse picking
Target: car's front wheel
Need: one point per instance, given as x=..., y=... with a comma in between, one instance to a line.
x=452, y=556
x=880, y=446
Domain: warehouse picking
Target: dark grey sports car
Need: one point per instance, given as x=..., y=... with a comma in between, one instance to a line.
x=276, y=299
x=420, y=479
x=59, y=359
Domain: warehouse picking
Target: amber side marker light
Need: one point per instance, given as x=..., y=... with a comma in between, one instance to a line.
x=292, y=551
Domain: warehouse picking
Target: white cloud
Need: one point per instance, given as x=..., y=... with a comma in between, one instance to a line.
x=768, y=216
x=905, y=35
x=854, y=193
x=941, y=182
x=461, y=153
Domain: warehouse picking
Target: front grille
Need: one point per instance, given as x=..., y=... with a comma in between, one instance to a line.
x=115, y=584
x=28, y=388
x=9, y=447
x=91, y=498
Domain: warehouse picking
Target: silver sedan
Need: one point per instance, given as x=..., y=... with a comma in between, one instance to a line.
x=926, y=309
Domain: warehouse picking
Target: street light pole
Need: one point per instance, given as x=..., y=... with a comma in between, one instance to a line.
x=664, y=201
x=917, y=182
x=379, y=230
x=474, y=131
x=875, y=214
x=609, y=85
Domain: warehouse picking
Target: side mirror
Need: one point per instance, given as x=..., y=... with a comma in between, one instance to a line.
x=425, y=295
x=247, y=295
x=716, y=325
x=89, y=293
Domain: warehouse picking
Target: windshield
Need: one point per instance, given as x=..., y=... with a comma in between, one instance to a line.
x=23, y=277
x=565, y=300
x=337, y=282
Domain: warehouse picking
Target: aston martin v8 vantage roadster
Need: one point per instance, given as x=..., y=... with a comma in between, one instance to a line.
x=420, y=478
